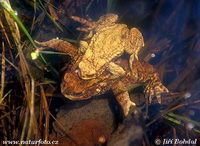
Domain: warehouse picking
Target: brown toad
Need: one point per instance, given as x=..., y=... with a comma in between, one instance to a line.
x=75, y=88
x=106, y=42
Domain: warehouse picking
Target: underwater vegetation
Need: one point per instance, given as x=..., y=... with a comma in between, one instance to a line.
x=135, y=63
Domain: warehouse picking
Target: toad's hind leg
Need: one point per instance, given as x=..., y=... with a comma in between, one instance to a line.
x=125, y=102
x=123, y=98
x=116, y=70
x=136, y=43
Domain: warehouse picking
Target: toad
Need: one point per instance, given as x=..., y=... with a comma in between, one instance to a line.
x=75, y=88
x=106, y=41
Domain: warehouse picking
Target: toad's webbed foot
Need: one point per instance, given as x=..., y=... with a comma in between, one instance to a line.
x=88, y=28
x=89, y=25
x=155, y=88
x=145, y=73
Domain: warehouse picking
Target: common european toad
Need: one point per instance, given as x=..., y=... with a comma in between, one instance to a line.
x=75, y=88
x=107, y=40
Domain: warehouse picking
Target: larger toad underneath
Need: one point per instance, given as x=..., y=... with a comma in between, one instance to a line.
x=75, y=88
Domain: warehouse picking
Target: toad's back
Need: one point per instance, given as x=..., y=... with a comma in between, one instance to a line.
x=107, y=44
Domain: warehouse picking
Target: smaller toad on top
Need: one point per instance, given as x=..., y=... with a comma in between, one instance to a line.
x=107, y=40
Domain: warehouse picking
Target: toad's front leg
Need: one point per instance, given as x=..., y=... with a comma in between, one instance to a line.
x=83, y=47
x=116, y=70
x=61, y=46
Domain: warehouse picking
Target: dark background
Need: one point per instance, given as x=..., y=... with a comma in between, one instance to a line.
x=171, y=30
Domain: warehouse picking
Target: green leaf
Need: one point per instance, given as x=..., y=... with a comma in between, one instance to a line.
x=12, y=13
